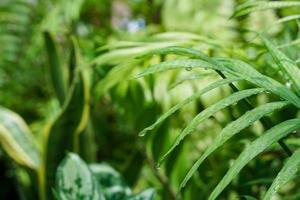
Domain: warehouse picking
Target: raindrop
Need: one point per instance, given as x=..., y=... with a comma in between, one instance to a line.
x=188, y=68
x=288, y=84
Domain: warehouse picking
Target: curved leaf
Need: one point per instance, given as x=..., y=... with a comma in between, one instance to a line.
x=231, y=129
x=287, y=172
x=63, y=133
x=56, y=70
x=74, y=180
x=148, y=194
x=17, y=140
x=186, y=101
x=257, y=146
x=208, y=112
x=253, y=6
x=287, y=66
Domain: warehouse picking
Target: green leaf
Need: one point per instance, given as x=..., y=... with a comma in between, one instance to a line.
x=233, y=67
x=56, y=70
x=118, y=56
x=111, y=182
x=63, y=133
x=287, y=172
x=148, y=194
x=232, y=129
x=241, y=69
x=287, y=66
x=17, y=140
x=187, y=101
x=119, y=73
x=208, y=112
x=246, y=197
x=253, y=6
x=74, y=180
x=259, y=145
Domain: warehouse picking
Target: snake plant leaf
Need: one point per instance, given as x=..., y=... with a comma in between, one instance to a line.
x=63, y=133
x=232, y=129
x=285, y=64
x=17, y=140
x=253, y=6
x=74, y=180
x=287, y=172
x=208, y=112
x=187, y=101
x=56, y=70
x=257, y=146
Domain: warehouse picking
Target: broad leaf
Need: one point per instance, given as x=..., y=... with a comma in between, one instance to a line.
x=74, y=180
x=148, y=194
x=111, y=182
x=17, y=140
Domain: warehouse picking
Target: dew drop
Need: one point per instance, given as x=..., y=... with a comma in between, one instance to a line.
x=288, y=84
x=188, y=68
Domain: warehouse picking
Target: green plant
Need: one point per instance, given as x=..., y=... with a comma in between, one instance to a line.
x=76, y=180
x=234, y=70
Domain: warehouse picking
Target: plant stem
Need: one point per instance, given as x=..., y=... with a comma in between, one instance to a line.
x=162, y=179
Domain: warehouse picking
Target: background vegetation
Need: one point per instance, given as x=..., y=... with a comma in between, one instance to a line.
x=213, y=86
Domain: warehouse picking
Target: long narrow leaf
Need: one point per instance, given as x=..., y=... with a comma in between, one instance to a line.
x=56, y=69
x=287, y=172
x=208, y=112
x=187, y=101
x=234, y=67
x=253, y=6
x=232, y=129
x=259, y=145
x=286, y=65
x=63, y=133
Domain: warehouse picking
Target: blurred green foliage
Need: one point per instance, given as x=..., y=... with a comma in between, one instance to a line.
x=67, y=68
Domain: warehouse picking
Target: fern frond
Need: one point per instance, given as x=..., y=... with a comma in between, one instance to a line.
x=287, y=172
x=208, y=112
x=253, y=6
x=15, y=17
x=232, y=129
x=257, y=146
x=198, y=94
